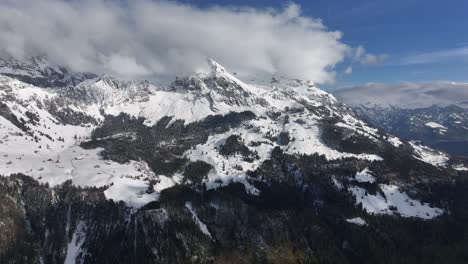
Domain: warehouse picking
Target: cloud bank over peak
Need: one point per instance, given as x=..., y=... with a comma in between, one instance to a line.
x=408, y=95
x=146, y=39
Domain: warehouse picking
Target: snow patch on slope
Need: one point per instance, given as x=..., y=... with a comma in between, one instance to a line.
x=394, y=201
x=200, y=224
x=364, y=176
x=428, y=155
x=435, y=125
x=396, y=142
x=460, y=167
x=442, y=129
x=357, y=221
x=130, y=190
x=75, y=246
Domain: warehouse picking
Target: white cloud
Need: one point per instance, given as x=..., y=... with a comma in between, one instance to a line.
x=407, y=95
x=143, y=39
x=348, y=70
x=359, y=52
x=436, y=56
x=361, y=56
x=373, y=59
x=126, y=66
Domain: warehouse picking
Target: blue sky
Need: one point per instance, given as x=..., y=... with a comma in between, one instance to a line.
x=425, y=40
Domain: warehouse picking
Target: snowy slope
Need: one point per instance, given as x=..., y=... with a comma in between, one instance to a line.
x=41, y=129
x=393, y=201
x=47, y=149
x=429, y=155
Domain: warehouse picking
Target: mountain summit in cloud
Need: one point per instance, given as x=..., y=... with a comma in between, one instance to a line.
x=144, y=39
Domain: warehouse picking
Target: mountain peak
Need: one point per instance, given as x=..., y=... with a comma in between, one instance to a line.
x=215, y=66
x=219, y=72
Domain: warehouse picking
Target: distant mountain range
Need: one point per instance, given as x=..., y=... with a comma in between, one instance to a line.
x=435, y=114
x=406, y=95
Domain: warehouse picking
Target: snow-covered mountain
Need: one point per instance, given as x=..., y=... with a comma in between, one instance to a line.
x=208, y=136
x=41, y=72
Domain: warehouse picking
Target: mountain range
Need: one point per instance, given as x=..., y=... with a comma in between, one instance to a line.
x=211, y=169
x=434, y=114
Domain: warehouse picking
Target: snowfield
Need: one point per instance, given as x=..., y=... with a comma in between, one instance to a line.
x=428, y=155
x=460, y=167
x=357, y=221
x=392, y=202
x=441, y=129
x=388, y=200
x=365, y=176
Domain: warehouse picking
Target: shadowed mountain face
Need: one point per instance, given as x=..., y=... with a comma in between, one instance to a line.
x=211, y=169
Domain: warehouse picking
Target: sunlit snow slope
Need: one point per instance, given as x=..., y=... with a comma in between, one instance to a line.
x=41, y=130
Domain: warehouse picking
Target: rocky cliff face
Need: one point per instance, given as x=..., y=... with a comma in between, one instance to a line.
x=211, y=169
